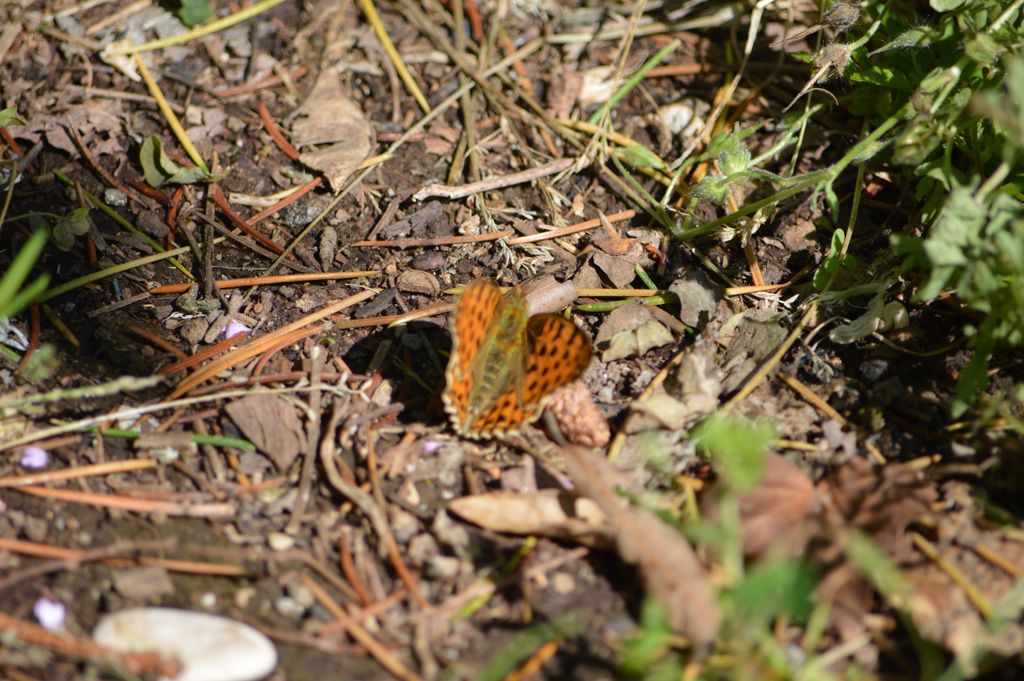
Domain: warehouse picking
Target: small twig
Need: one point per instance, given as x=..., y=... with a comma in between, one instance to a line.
x=78, y=472
x=403, y=71
x=198, y=510
x=288, y=200
x=275, y=133
x=764, y=288
x=361, y=635
x=973, y=593
x=1005, y=564
x=156, y=340
x=394, y=553
x=91, y=160
x=175, y=289
x=118, y=16
x=618, y=292
x=571, y=229
x=262, y=84
x=773, y=361
x=811, y=397
x=440, y=241
x=300, y=328
x=377, y=518
x=136, y=663
x=109, y=272
x=195, y=33
x=169, y=115
x=312, y=438
x=238, y=221
x=205, y=353
x=87, y=43
x=491, y=183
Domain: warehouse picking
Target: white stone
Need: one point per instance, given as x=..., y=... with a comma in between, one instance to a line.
x=210, y=648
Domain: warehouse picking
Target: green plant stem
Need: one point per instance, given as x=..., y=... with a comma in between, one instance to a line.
x=215, y=440
x=197, y=32
x=806, y=181
x=172, y=120
x=13, y=166
x=10, y=354
x=114, y=269
x=609, y=305
x=633, y=81
x=129, y=227
x=851, y=225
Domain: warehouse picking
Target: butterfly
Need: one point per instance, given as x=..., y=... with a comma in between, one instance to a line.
x=505, y=363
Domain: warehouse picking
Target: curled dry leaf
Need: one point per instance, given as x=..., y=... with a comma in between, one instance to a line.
x=619, y=270
x=670, y=570
x=774, y=511
x=418, y=281
x=549, y=513
x=750, y=337
x=270, y=423
x=330, y=118
x=630, y=330
x=547, y=294
x=698, y=298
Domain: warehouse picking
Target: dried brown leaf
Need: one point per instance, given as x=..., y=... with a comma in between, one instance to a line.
x=549, y=513
x=271, y=423
x=669, y=567
x=331, y=118
x=775, y=510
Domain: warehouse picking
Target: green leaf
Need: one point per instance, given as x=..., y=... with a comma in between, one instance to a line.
x=862, y=326
x=640, y=156
x=734, y=157
x=520, y=646
x=876, y=566
x=647, y=646
x=830, y=265
x=9, y=116
x=919, y=36
x=714, y=188
x=25, y=296
x=775, y=589
x=12, y=302
x=159, y=169
x=194, y=12
x=737, y=447
x=984, y=49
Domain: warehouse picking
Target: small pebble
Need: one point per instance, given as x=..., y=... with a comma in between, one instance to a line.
x=279, y=541
x=34, y=458
x=115, y=198
x=50, y=614
x=443, y=567
x=563, y=583
x=286, y=606
x=871, y=370
x=428, y=262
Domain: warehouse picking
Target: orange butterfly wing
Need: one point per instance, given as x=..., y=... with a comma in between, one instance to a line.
x=559, y=353
x=475, y=312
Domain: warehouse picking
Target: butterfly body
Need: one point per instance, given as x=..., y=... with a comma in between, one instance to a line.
x=505, y=364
